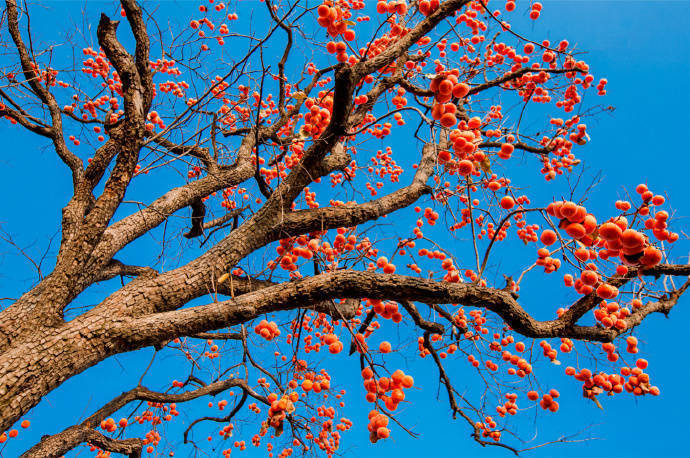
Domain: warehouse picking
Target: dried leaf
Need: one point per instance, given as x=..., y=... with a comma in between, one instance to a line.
x=596, y=401
x=485, y=165
x=299, y=95
x=290, y=406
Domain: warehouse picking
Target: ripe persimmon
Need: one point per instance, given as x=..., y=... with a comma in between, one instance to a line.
x=507, y=202
x=548, y=237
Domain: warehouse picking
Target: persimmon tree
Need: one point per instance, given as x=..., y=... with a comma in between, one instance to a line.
x=300, y=236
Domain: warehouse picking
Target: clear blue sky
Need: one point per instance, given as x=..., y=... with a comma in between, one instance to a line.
x=642, y=48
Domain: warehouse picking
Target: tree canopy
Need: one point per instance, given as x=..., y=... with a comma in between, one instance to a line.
x=282, y=194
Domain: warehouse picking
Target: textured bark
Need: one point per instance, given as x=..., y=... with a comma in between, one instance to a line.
x=58, y=445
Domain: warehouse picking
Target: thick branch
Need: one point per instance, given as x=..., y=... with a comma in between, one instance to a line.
x=61, y=443
x=342, y=284
x=30, y=74
x=116, y=268
x=187, y=150
x=303, y=221
x=588, y=302
x=447, y=8
x=121, y=233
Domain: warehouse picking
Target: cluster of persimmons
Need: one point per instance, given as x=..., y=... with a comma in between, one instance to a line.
x=595, y=253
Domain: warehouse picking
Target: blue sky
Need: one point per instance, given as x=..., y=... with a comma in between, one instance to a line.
x=642, y=48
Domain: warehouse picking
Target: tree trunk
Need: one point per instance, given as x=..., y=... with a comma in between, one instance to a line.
x=35, y=365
